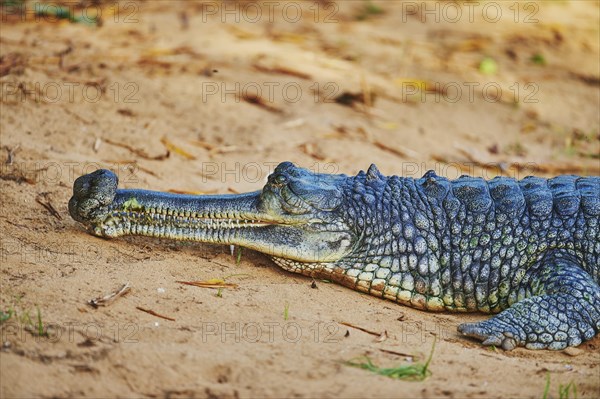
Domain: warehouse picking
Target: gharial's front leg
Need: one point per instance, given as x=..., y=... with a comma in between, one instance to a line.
x=564, y=310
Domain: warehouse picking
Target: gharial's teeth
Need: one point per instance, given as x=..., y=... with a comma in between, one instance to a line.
x=208, y=220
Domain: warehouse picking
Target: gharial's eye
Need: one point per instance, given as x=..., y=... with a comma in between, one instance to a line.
x=280, y=179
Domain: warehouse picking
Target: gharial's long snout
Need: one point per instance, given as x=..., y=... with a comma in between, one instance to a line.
x=255, y=220
x=111, y=212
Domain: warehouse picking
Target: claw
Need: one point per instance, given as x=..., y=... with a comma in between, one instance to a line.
x=496, y=341
x=505, y=340
x=509, y=343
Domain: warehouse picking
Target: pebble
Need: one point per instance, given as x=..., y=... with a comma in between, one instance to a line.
x=573, y=351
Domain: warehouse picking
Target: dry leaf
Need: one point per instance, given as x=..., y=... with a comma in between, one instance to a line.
x=252, y=98
x=382, y=337
x=240, y=33
x=288, y=37
x=418, y=84
x=311, y=150
x=204, y=144
x=387, y=125
x=281, y=71
x=294, y=123
x=97, y=144
x=223, y=149
x=172, y=147
x=138, y=152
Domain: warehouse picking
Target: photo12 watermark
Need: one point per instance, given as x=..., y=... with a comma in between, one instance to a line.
x=30, y=327
x=86, y=12
x=257, y=172
x=66, y=172
x=471, y=11
x=410, y=91
x=471, y=92
x=289, y=92
x=22, y=327
x=254, y=172
x=72, y=253
x=270, y=11
x=64, y=92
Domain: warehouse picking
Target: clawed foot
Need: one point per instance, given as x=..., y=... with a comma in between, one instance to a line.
x=491, y=334
x=92, y=194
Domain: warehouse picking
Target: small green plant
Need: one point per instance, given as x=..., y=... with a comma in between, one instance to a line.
x=219, y=284
x=516, y=148
x=368, y=10
x=488, y=66
x=23, y=318
x=547, y=387
x=239, y=256
x=538, y=59
x=14, y=312
x=5, y=316
x=564, y=391
x=411, y=372
x=40, y=324
x=286, y=311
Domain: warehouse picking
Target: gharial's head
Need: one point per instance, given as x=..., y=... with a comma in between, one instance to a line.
x=298, y=215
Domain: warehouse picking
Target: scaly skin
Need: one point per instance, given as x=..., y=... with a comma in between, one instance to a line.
x=528, y=250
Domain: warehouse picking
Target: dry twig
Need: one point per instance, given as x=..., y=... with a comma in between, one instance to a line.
x=44, y=201
x=361, y=329
x=110, y=298
x=153, y=313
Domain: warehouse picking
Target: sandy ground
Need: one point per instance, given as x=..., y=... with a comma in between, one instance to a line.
x=229, y=92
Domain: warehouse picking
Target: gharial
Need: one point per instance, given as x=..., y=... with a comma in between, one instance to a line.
x=526, y=249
